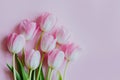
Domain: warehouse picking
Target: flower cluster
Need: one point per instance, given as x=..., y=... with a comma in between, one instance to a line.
x=52, y=41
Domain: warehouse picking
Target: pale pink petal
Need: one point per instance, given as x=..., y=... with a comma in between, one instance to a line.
x=55, y=58
x=18, y=43
x=32, y=59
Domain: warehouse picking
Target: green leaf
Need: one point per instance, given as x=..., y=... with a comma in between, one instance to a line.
x=59, y=76
x=17, y=74
x=41, y=75
x=21, y=69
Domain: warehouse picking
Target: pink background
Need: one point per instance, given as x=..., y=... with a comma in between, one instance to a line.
x=94, y=24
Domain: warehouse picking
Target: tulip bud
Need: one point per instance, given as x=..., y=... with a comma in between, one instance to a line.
x=16, y=43
x=32, y=59
x=55, y=58
x=61, y=34
x=47, y=21
x=48, y=43
x=71, y=51
x=28, y=29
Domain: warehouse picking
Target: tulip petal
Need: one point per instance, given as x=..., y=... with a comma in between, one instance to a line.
x=28, y=29
x=18, y=43
x=48, y=43
x=32, y=59
x=10, y=40
x=55, y=58
x=35, y=60
x=31, y=31
x=59, y=59
x=49, y=23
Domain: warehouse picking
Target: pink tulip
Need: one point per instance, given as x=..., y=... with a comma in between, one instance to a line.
x=32, y=59
x=71, y=51
x=28, y=29
x=16, y=43
x=55, y=58
x=61, y=34
x=47, y=21
x=48, y=43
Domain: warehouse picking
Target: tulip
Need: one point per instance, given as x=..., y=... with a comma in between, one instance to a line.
x=71, y=51
x=55, y=60
x=48, y=43
x=16, y=42
x=61, y=34
x=28, y=29
x=47, y=21
x=32, y=59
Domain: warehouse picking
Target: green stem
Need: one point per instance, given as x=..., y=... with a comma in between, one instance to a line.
x=14, y=66
x=49, y=74
x=38, y=43
x=40, y=66
x=23, y=55
x=65, y=70
x=34, y=74
x=37, y=47
x=30, y=75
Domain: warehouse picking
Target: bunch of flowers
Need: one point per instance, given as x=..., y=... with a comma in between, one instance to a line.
x=51, y=41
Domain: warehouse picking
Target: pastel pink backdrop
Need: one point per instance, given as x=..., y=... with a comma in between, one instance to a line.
x=94, y=24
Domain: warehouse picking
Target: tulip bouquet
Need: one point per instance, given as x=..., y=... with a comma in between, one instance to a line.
x=50, y=41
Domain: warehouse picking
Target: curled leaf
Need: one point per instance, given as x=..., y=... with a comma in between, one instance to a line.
x=21, y=70
x=18, y=77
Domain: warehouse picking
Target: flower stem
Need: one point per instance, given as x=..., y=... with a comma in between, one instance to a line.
x=38, y=43
x=14, y=66
x=34, y=75
x=40, y=66
x=30, y=74
x=65, y=70
x=23, y=55
x=49, y=74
